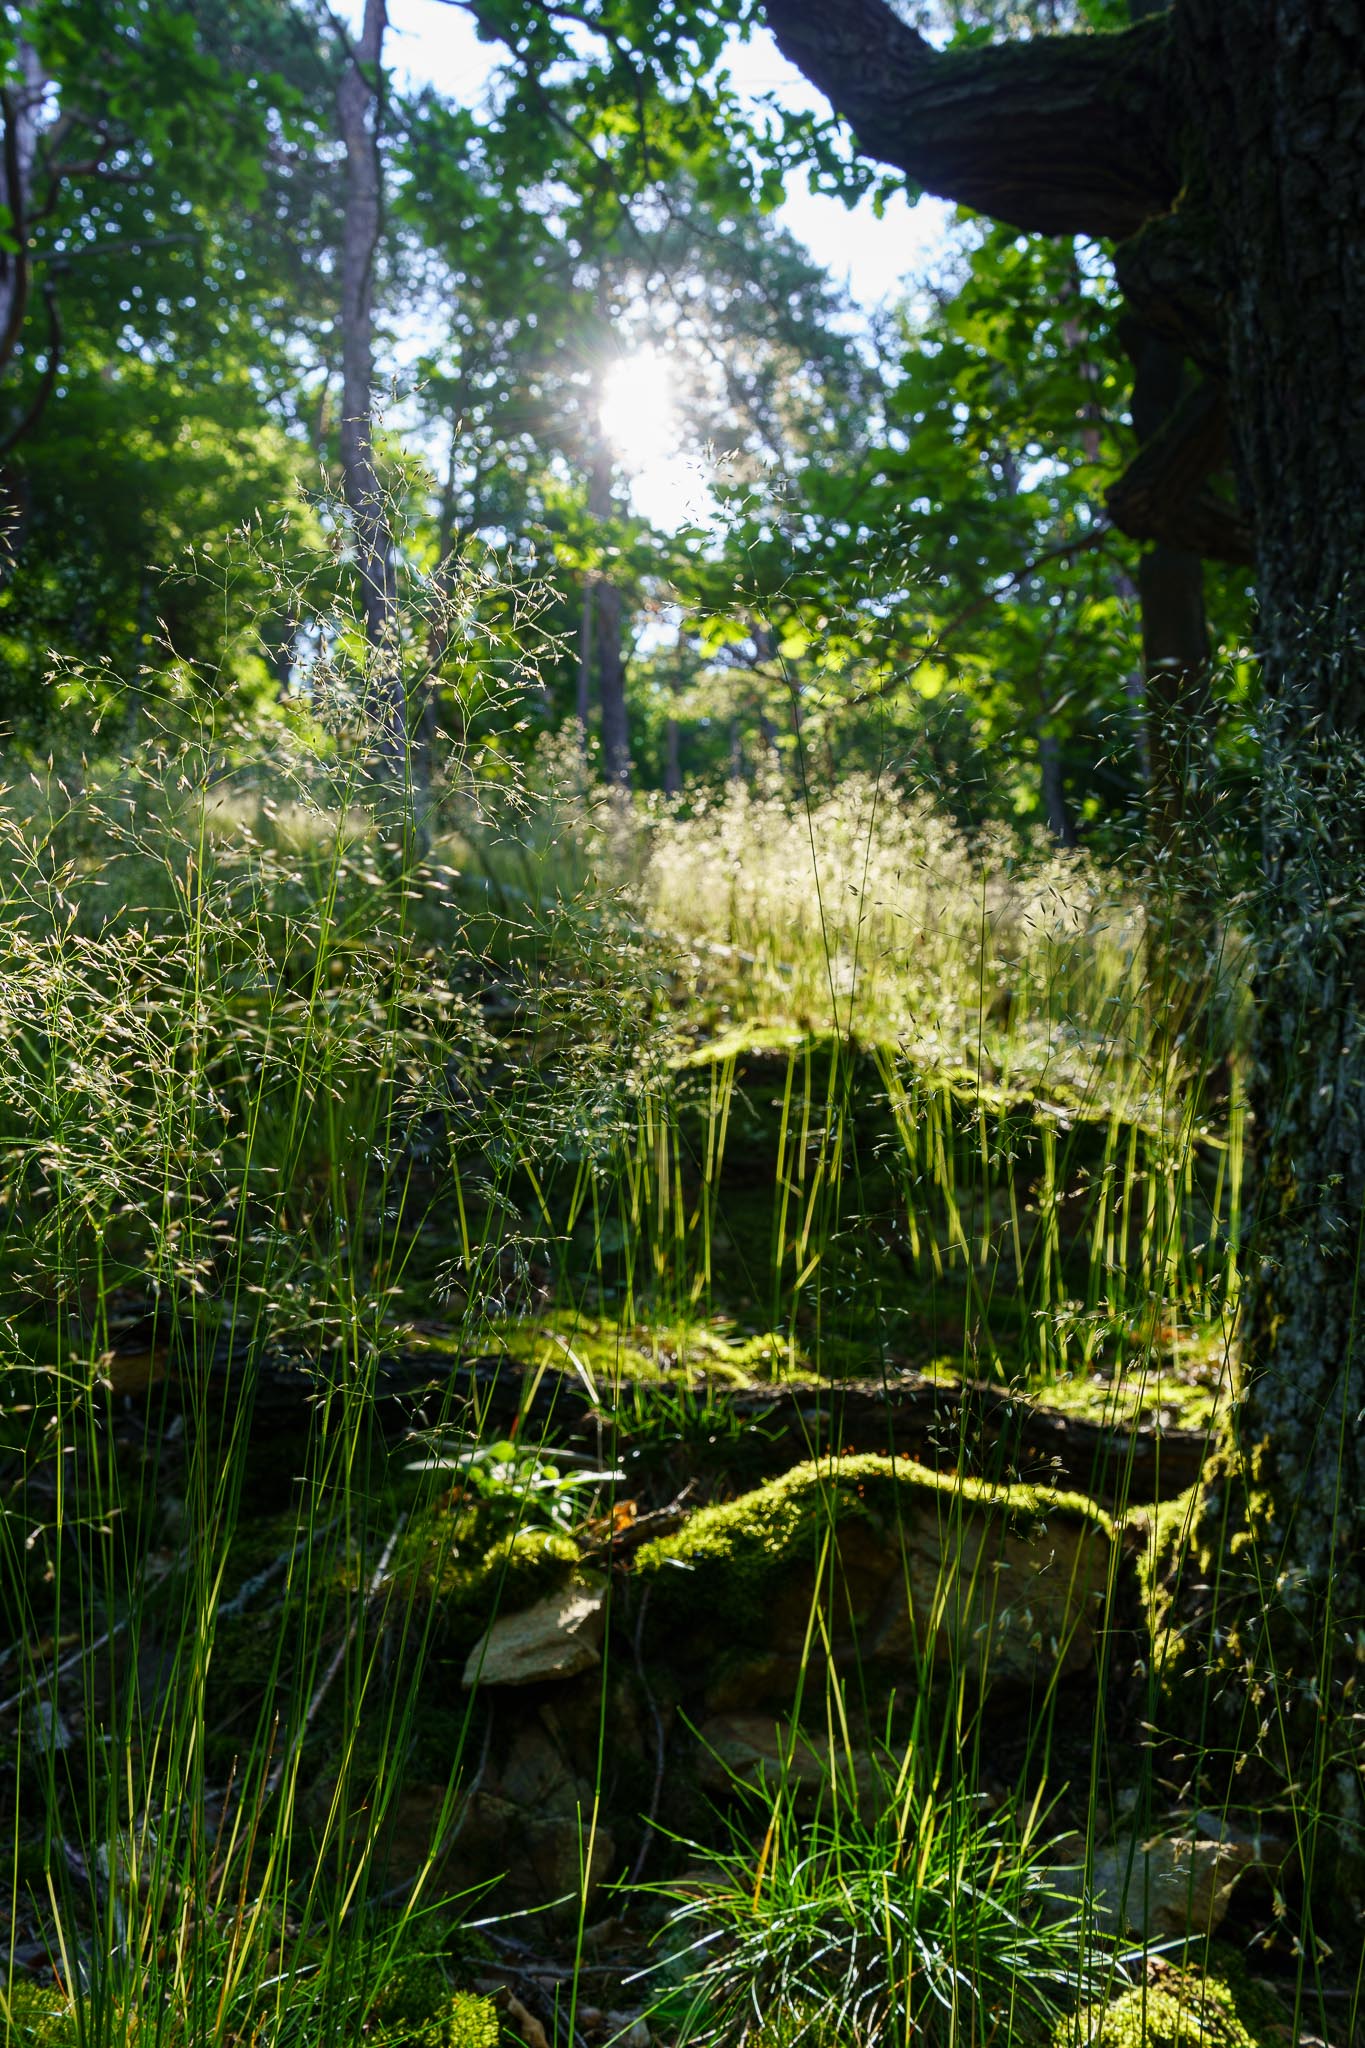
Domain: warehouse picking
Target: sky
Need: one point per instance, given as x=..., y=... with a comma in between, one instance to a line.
x=435, y=44
x=873, y=259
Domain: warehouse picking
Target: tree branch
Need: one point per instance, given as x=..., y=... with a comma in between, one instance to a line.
x=1061, y=134
x=1164, y=493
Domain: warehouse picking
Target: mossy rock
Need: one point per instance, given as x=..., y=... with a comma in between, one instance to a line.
x=418, y=2009
x=472, y=1579
x=1191, y=2008
x=512, y=1572
x=914, y=1566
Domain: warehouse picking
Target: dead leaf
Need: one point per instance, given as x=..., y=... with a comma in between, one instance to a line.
x=524, y=2023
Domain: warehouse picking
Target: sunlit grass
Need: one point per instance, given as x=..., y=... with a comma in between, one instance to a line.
x=666, y=1108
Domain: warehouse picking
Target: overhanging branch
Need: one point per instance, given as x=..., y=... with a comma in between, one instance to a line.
x=1059, y=134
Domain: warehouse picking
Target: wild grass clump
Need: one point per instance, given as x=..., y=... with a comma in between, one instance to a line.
x=890, y=1914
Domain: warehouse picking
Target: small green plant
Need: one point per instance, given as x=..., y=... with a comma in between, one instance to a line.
x=518, y=1485
x=889, y=1914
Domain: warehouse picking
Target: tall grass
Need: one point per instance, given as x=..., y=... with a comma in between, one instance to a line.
x=250, y=1110
x=292, y=1065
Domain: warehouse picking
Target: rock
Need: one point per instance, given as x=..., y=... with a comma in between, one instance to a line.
x=540, y=1860
x=557, y=1638
x=528, y=1824
x=755, y=1749
x=999, y=1582
x=1172, y=1884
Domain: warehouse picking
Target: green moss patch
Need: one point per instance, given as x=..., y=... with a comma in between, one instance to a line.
x=35, y=2016
x=418, y=2009
x=1217, y=2008
x=729, y=1559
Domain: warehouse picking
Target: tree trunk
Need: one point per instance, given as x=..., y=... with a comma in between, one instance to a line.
x=584, y=679
x=358, y=104
x=673, y=774
x=606, y=609
x=22, y=108
x=1283, y=160
x=1055, y=807
x=1252, y=265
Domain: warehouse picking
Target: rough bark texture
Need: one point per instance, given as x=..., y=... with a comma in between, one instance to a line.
x=1066, y=134
x=21, y=108
x=1282, y=90
x=358, y=95
x=1252, y=259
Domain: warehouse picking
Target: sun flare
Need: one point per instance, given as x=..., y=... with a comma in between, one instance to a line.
x=642, y=423
x=639, y=409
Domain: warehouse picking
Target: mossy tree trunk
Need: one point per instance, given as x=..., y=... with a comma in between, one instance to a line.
x=1284, y=174
x=1223, y=148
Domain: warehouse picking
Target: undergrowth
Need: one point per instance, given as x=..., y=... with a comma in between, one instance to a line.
x=344, y=1132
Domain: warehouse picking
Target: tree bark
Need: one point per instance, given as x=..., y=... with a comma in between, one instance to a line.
x=1284, y=165
x=21, y=108
x=673, y=775
x=1065, y=134
x=583, y=694
x=1253, y=117
x=1055, y=808
x=358, y=107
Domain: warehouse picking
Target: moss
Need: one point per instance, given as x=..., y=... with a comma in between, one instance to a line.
x=511, y=1573
x=680, y=1353
x=729, y=1558
x=418, y=2009
x=1219, y=2007
x=1142, y=1393
x=1169, y=1533
x=33, y=2014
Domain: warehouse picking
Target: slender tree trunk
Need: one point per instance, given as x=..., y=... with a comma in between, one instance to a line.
x=358, y=110
x=584, y=695
x=21, y=107
x=1055, y=807
x=606, y=607
x=673, y=775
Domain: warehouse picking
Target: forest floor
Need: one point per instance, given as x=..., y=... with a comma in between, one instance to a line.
x=692, y=1573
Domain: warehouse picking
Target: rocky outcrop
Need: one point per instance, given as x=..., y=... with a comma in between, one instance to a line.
x=914, y=1570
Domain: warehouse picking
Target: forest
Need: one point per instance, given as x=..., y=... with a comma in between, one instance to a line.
x=682, y=1023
